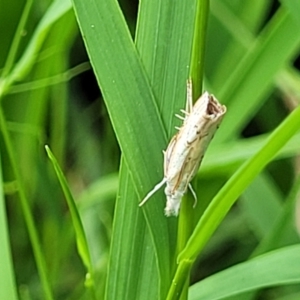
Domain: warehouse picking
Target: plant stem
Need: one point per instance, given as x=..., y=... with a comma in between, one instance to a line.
x=198, y=50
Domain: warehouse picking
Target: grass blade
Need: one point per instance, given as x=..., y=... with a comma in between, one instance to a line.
x=280, y=267
x=199, y=43
x=130, y=103
x=8, y=288
x=55, y=11
x=244, y=90
x=139, y=126
x=16, y=40
x=132, y=256
x=81, y=240
x=33, y=235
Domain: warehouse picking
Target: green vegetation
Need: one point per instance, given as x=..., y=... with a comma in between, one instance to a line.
x=73, y=170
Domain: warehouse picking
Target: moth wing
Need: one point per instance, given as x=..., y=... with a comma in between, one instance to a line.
x=168, y=154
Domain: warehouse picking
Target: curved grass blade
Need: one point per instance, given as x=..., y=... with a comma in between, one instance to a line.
x=81, y=240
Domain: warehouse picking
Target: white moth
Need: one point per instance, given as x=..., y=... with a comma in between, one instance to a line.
x=186, y=149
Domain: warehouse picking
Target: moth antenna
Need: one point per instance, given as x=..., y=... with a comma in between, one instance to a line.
x=155, y=189
x=194, y=195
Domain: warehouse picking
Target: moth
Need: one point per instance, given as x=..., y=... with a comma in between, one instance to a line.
x=186, y=149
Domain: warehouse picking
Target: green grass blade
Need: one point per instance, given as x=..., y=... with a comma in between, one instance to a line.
x=130, y=98
x=241, y=20
x=52, y=80
x=16, y=40
x=130, y=103
x=186, y=224
x=126, y=90
x=294, y=7
x=235, y=153
x=174, y=24
x=8, y=288
x=81, y=240
x=131, y=257
x=244, y=90
x=164, y=43
x=280, y=267
x=199, y=43
x=57, y=9
x=24, y=202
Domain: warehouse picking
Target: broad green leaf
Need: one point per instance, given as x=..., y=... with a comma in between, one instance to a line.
x=279, y=267
x=131, y=105
x=130, y=102
x=294, y=7
x=132, y=249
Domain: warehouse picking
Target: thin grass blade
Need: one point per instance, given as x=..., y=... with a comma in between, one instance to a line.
x=81, y=240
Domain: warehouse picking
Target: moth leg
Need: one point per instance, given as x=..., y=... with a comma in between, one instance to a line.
x=189, y=95
x=184, y=112
x=191, y=176
x=189, y=101
x=180, y=117
x=155, y=189
x=194, y=195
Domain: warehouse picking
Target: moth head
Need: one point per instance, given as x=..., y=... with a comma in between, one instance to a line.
x=213, y=107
